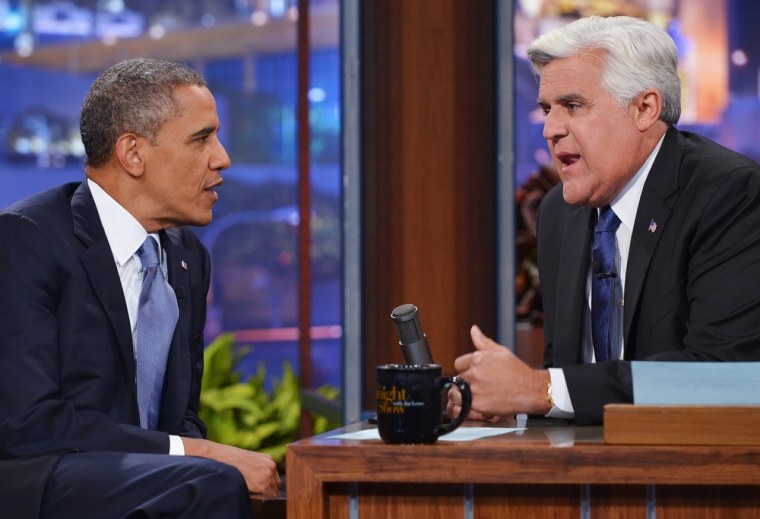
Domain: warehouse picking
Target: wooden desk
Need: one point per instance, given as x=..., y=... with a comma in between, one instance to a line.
x=550, y=470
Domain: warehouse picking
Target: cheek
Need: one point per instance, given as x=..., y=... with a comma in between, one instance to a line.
x=610, y=155
x=599, y=151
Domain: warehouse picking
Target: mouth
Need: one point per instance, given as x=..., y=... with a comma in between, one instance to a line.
x=567, y=159
x=211, y=189
x=214, y=185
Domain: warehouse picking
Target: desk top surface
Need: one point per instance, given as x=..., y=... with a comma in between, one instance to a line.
x=536, y=431
x=547, y=451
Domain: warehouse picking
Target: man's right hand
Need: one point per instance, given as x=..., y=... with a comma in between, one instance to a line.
x=501, y=384
x=259, y=470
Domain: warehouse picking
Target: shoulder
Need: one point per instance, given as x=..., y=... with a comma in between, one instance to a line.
x=45, y=201
x=687, y=157
x=706, y=158
x=46, y=212
x=46, y=209
x=694, y=170
x=715, y=174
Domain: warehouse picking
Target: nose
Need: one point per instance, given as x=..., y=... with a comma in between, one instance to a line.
x=219, y=160
x=554, y=126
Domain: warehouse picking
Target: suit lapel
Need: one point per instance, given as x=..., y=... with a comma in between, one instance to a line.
x=177, y=263
x=651, y=219
x=178, y=369
x=98, y=263
x=571, y=286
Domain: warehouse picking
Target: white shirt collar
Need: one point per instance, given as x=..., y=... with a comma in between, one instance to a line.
x=626, y=203
x=124, y=233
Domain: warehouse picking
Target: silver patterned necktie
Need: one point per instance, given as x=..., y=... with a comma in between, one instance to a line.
x=156, y=319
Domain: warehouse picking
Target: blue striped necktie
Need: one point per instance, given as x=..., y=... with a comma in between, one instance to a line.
x=603, y=276
x=156, y=319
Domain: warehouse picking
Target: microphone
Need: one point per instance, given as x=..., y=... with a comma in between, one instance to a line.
x=412, y=339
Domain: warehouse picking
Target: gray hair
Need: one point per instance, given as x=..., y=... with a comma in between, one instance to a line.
x=133, y=96
x=637, y=55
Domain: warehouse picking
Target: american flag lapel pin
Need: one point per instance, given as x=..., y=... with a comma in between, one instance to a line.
x=184, y=265
x=652, y=226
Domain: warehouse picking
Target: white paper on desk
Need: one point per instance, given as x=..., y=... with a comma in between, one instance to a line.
x=696, y=383
x=462, y=434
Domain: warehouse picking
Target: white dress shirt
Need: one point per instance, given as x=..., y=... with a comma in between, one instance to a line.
x=624, y=205
x=125, y=236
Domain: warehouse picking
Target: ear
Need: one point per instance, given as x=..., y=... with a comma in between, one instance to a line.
x=648, y=105
x=128, y=151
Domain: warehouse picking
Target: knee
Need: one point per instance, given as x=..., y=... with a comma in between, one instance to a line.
x=222, y=474
x=218, y=489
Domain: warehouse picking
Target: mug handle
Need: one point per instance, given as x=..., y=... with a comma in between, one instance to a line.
x=464, y=388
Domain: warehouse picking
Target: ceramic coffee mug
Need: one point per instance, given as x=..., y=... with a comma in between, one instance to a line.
x=410, y=402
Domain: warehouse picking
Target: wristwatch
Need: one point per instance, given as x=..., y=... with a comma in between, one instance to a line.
x=549, y=397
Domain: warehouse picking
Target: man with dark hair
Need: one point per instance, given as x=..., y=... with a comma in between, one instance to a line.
x=103, y=297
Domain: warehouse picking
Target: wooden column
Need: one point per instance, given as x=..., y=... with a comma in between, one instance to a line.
x=429, y=170
x=303, y=48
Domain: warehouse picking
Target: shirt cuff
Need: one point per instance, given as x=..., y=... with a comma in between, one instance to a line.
x=176, y=447
x=563, y=406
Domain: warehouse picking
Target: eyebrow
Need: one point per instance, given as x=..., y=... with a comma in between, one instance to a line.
x=203, y=132
x=563, y=99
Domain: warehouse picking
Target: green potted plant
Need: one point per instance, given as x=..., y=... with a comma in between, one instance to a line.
x=243, y=413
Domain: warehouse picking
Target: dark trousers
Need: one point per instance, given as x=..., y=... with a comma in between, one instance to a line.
x=125, y=485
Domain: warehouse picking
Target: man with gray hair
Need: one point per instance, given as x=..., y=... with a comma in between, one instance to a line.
x=648, y=249
x=103, y=295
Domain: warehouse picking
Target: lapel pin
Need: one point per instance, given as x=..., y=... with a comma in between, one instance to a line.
x=652, y=226
x=184, y=265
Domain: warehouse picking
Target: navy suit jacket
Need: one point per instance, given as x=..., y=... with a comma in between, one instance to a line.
x=67, y=368
x=692, y=288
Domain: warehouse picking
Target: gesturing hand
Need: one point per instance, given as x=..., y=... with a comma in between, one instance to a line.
x=501, y=384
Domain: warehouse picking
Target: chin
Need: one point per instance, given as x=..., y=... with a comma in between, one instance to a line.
x=572, y=197
x=202, y=222
x=198, y=220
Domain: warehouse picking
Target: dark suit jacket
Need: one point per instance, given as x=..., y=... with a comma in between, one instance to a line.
x=67, y=368
x=692, y=288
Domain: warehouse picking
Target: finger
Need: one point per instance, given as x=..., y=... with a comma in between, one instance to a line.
x=462, y=363
x=478, y=416
x=455, y=397
x=480, y=340
x=265, y=493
